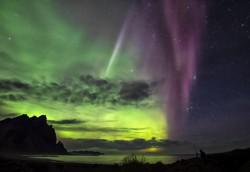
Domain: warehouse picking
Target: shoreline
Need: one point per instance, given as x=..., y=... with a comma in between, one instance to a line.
x=237, y=160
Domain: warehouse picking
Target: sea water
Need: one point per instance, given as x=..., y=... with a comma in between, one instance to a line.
x=109, y=159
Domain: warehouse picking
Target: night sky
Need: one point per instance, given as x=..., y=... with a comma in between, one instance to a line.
x=219, y=107
x=141, y=75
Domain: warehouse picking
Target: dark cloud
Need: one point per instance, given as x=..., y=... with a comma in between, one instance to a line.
x=134, y=91
x=13, y=97
x=85, y=89
x=10, y=85
x=132, y=145
x=66, y=121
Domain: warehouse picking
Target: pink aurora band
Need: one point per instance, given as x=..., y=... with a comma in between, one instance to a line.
x=169, y=34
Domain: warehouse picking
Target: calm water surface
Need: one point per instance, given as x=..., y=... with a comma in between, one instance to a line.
x=108, y=159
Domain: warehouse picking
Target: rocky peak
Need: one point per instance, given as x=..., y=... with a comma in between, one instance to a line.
x=29, y=135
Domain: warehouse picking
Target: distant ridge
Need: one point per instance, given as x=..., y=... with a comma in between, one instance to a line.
x=29, y=135
x=87, y=153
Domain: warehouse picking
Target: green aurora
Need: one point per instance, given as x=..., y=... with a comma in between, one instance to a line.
x=47, y=54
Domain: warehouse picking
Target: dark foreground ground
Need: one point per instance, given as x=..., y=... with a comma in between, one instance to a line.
x=235, y=161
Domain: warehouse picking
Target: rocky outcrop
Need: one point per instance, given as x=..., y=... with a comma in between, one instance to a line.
x=29, y=135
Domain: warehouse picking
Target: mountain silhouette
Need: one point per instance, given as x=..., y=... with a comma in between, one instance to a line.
x=29, y=135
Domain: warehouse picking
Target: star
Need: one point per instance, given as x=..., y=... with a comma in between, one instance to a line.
x=194, y=77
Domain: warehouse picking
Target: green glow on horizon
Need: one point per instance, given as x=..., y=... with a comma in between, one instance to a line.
x=144, y=122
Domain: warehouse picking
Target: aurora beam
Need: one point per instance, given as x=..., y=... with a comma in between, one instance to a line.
x=118, y=46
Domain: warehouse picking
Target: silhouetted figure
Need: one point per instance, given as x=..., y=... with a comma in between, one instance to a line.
x=203, y=155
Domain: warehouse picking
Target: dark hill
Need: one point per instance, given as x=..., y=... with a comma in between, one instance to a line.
x=29, y=135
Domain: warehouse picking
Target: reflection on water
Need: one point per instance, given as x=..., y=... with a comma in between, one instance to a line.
x=107, y=159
